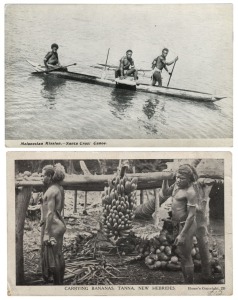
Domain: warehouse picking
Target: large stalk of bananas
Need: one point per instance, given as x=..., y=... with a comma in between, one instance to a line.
x=119, y=201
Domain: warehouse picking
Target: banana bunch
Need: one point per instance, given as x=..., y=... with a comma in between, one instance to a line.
x=118, y=200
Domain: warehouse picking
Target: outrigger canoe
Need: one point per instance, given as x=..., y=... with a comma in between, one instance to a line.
x=126, y=84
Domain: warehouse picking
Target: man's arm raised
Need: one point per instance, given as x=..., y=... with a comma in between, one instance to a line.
x=171, y=62
x=165, y=191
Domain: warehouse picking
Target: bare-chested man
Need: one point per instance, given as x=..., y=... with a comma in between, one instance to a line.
x=126, y=67
x=184, y=201
x=159, y=64
x=53, y=226
x=51, y=60
x=189, y=216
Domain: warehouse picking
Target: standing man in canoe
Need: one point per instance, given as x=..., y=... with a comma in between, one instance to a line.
x=52, y=224
x=159, y=64
x=126, y=67
x=51, y=59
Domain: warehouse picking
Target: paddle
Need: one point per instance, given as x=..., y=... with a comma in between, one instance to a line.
x=171, y=73
x=48, y=71
x=104, y=72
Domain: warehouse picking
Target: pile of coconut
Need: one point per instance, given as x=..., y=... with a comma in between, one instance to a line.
x=160, y=252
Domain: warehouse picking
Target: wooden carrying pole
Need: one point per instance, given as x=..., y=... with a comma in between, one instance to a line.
x=98, y=182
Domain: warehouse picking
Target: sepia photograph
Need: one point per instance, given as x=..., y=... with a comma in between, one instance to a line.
x=119, y=223
x=118, y=75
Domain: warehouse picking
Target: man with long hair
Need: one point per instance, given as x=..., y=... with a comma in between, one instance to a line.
x=189, y=219
x=53, y=226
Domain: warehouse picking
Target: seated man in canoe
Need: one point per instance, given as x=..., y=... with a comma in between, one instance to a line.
x=159, y=64
x=51, y=59
x=126, y=67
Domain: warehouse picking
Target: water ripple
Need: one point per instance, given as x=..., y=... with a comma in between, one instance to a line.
x=49, y=108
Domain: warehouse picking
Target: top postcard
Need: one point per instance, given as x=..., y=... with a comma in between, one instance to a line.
x=118, y=75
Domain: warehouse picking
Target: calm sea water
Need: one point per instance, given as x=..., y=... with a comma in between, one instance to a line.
x=48, y=108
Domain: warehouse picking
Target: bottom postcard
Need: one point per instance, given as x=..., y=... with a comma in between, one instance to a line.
x=119, y=223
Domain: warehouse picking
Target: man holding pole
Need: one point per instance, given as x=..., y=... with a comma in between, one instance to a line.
x=159, y=64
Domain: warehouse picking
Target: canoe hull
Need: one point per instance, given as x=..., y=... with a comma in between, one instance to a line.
x=171, y=92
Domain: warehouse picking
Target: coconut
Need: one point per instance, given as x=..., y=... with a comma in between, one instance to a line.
x=162, y=238
x=153, y=256
x=149, y=261
x=170, y=238
x=157, y=251
x=163, y=256
x=217, y=269
x=158, y=264
x=165, y=243
x=174, y=259
x=167, y=250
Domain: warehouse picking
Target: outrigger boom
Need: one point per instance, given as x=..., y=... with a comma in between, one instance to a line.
x=127, y=84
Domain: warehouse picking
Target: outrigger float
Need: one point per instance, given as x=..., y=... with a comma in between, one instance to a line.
x=126, y=84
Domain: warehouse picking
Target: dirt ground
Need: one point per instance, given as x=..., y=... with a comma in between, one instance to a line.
x=133, y=273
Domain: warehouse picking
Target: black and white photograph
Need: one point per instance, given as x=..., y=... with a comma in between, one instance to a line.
x=119, y=223
x=118, y=75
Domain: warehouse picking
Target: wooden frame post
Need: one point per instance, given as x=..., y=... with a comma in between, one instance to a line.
x=141, y=196
x=75, y=201
x=23, y=196
x=85, y=203
x=157, y=209
x=147, y=195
